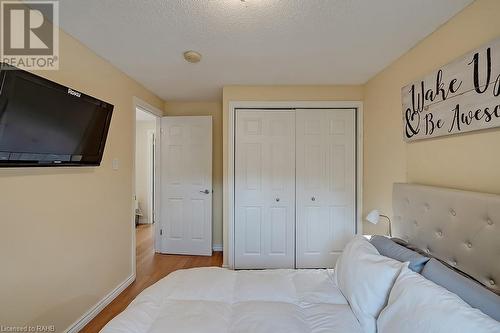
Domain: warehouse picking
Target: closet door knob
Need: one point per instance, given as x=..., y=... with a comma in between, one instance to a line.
x=313, y=199
x=277, y=199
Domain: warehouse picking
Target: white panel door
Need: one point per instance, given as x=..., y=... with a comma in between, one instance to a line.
x=265, y=189
x=326, y=185
x=186, y=185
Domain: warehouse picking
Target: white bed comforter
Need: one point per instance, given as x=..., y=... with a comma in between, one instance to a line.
x=217, y=300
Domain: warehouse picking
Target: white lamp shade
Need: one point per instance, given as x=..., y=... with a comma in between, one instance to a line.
x=373, y=216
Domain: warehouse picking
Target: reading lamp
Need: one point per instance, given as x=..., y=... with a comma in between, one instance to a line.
x=374, y=217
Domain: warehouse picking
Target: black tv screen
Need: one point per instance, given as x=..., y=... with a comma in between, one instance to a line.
x=43, y=123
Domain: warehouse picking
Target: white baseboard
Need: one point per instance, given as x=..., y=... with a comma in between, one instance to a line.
x=94, y=311
x=217, y=247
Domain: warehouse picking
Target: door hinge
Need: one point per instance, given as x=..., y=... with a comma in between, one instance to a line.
x=161, y=232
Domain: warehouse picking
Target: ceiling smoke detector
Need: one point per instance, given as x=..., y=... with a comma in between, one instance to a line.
x=192, y=56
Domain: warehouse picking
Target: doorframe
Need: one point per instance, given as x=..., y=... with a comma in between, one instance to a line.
x=138, y=103
x=230, y=192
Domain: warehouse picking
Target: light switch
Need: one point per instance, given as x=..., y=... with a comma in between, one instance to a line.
x=115, y=164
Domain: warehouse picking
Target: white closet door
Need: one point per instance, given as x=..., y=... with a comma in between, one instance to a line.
x=265, y=189
x=326, y=185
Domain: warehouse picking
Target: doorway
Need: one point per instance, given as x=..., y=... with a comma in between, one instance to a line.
x=145, y=160
x=145, y=175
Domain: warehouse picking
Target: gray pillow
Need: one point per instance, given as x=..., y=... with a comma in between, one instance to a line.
x=467, y=289
x=389, y=248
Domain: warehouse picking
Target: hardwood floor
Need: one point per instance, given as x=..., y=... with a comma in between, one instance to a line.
x=151, y=267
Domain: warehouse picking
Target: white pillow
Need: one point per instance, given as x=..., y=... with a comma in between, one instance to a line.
x=365, y=278
x=419, y=305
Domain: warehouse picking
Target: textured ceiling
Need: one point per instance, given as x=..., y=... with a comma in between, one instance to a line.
x=257, y=42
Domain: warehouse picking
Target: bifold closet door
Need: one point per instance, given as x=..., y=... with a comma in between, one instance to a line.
x=265, y=189
x=326, y=185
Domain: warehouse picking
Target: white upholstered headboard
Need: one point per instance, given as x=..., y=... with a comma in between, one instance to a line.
x=461, y=228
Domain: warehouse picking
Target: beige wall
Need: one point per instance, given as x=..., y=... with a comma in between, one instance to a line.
x=66, y=233
x=213, y=109
x=277, y=93
x=143, y=167
x=469, y=161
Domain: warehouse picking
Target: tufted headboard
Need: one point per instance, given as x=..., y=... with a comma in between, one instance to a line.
x=461, y=228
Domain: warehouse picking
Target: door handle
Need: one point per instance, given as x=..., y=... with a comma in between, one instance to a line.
x=205, y=191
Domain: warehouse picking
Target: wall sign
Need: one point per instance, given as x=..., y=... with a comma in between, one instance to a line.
x=460, y=97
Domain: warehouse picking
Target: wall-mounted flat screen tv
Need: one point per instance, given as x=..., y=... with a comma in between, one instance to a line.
x=43, y=123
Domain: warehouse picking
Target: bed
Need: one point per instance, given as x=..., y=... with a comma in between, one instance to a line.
x=366, y=292
x=219, y=300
